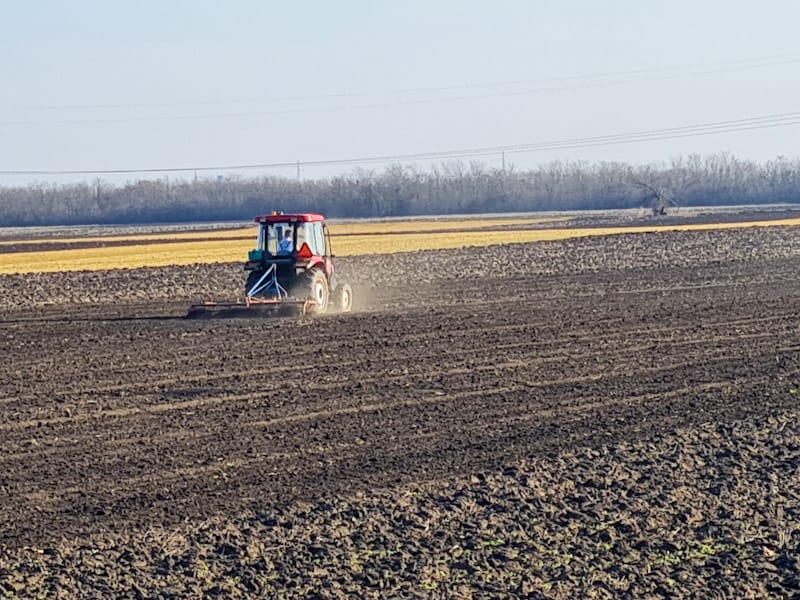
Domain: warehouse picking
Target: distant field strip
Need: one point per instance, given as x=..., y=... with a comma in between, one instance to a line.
x=238, y=232
x=371, y=227
x=357, y=239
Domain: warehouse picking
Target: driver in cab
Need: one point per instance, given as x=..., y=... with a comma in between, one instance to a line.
x=285, y=245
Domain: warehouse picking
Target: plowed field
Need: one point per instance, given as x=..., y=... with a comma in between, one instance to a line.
x=608, y=417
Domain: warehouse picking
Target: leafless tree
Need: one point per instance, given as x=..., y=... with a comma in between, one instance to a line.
x=445, y=188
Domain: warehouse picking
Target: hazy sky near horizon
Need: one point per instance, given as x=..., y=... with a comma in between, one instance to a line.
x=96, y=85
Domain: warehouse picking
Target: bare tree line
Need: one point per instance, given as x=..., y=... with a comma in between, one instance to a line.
x=400, y=190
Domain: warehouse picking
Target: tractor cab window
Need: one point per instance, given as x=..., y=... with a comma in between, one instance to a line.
x=311, y=233
x=302, y=235
x=319, y=239
x=280, y=239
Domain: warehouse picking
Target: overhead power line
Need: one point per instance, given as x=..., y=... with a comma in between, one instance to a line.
x=701, y=129
x=475, y=91
x=672, y=71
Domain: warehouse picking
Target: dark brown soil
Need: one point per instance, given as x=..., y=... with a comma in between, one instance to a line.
x=611, y=417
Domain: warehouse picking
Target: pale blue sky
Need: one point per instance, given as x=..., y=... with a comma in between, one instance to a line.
x=146, y=84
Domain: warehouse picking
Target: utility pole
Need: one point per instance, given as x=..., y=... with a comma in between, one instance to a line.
x=298, y=170
x=503, y=161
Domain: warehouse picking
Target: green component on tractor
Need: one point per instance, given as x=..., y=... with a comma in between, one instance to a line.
x=255, y=255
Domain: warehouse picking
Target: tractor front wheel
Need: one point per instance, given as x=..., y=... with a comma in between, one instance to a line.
x=318, y=290
x=343, y=297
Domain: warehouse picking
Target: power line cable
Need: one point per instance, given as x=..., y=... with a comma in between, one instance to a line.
x=724, y=66
x=396, y=102
x=702, y=129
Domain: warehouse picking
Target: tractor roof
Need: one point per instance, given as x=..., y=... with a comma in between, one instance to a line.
x=277, y=217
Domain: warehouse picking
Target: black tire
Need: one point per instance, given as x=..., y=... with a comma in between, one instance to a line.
x=343, y=298
x=317, y=289
x=252, y=279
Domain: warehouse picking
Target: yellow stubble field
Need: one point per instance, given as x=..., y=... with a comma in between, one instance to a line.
x=350, y=239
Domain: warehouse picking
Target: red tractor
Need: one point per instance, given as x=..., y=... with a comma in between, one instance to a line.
x=291, y=268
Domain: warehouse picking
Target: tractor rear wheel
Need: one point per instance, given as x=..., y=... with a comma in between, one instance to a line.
x=318, y=290
x=343, y=297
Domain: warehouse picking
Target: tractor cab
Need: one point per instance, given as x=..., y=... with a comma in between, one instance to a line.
x=291, y=242
x=285, y=238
